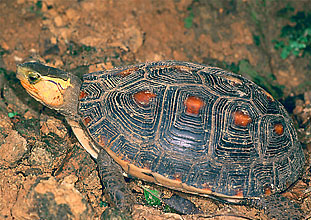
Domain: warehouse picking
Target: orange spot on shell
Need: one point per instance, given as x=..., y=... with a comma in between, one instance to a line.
x=239, y=193
x=193, y=105
x=86, y=120
x=143, y=97
x=102, y=140
x=128, y=71
x=82, y=95
x=278, y=129
x=177, y=177
x=268, y=191
x=241, y=119
x=268, y=95
x=206, y=188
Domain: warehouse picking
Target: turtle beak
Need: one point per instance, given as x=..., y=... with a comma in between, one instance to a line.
x=21, y=72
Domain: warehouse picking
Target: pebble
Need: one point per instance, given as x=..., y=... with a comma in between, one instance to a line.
x=4, y=45
x=133, y=38
x=58, y=21
x=72, y=14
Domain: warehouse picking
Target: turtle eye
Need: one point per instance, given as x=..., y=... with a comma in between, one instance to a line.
x=33, y=77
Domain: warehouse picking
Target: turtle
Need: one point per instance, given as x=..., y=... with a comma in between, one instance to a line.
x=189, y=127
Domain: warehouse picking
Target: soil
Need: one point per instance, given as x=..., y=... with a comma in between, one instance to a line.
x=45, y=173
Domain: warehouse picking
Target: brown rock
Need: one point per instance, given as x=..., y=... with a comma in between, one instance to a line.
x=133, y=38
x=40, y=156
x=5, y=124
x=4, y=45
x=10, y=189
x=72, y=14
x=49, y=199
x=58, y=21
x=100, y=67
x=13, y=148
x=50, y=124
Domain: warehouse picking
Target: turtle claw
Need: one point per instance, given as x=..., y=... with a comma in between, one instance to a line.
x=115, y=214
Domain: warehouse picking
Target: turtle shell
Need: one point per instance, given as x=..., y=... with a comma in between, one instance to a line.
x=192, y=127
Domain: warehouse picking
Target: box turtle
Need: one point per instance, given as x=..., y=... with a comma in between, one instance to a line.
x=189, y=127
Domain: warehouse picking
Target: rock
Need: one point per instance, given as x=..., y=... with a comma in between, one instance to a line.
x=13, y=148
x=100, y=67
x=49, y=199
x=16, y=103
x=49, y=124
x=58, y=21
x=72, y=14
x=40, y=156
x=5, y=122
x=142, y=212
x=133, y=38
x=4, y=45
x=20, y=1
x=12, y=185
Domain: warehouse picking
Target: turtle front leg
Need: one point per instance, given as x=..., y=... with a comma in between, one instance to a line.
x=121, y=198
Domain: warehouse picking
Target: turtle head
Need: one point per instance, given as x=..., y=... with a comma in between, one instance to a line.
x=52, y=87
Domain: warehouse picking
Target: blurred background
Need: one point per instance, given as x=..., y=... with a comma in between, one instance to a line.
x=267, y=41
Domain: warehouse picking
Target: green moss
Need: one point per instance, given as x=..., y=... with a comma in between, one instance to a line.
x=296, y=38
x=36, y=8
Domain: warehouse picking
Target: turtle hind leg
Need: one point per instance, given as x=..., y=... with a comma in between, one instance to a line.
x=279, y=207
x=120, y=197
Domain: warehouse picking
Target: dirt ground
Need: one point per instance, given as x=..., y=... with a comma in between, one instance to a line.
x=45, y=173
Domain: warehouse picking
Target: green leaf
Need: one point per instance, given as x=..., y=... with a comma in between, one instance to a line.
x=103, y=204
x=12, y=114
x=278, y=44
x=285, y=52
x=308, y=31
x=296, y=53
x=152, y=197
x=189, y=20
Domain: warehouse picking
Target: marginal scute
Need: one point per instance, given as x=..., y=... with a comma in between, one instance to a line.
x=268, y=95
x=128, y=71
x=206, y=188
x=241, y=118
x=239, y=193
x=182, y=68
x=234, y=80
x=143, y=97
x=177, y=177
